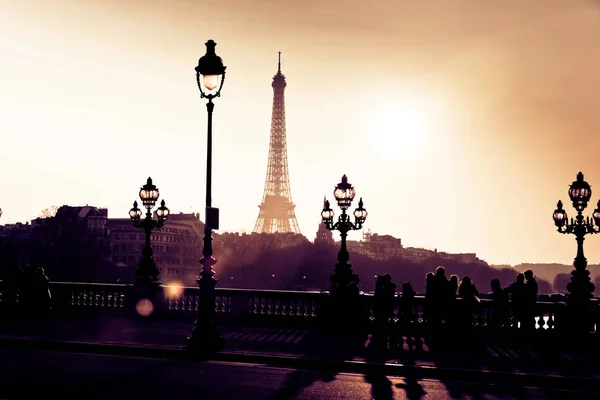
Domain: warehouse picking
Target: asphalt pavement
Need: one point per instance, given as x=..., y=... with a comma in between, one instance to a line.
x=40, y=374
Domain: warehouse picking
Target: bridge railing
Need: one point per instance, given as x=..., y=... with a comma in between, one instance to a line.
x=280, y=307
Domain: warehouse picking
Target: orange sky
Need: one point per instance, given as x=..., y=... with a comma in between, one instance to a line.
x=460, y=123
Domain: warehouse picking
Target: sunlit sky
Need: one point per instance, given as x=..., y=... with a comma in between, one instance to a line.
x=460, y=123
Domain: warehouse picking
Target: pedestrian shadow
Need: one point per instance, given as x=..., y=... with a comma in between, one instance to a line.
x=382, y=387
x=470, y=351
x=329, y=347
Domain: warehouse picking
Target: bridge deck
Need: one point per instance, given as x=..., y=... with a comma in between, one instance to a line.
x=524, y=357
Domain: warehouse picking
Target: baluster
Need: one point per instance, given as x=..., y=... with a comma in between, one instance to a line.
x=550, y=322
x=294, y=307
x=283, y=307
x=168, y=303
x=488, y=317
x=229, y=301
x=277, y=307
x=187, y=302
x=196, y=302
x=177, y=303
x=218, y=304
x=300, y=307
x=481, y=315
x=303, y=308
x=261, y=306
x=269, y=305
x=226, y=304
x=541, y=322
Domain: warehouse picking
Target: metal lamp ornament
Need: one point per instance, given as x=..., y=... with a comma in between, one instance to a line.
x=580, y=288
x=210, y=73
x=343, y=280
x=149, y=194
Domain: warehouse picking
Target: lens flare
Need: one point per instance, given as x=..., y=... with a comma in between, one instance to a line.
x=144, y=307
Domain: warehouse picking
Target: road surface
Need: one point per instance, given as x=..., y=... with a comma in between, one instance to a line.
x=37, y=374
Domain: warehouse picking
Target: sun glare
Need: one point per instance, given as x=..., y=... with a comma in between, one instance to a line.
x=402, y=127
x=175, y=289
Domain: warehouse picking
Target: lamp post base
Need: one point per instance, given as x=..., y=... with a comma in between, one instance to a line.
x=206, y=337
x=581, y=291
x=344, y=309
x=343, y=281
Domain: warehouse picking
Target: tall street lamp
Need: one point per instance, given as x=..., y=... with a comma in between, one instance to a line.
x=580, y=288
x=343, y=281
x=147, y=270
x=210, y=76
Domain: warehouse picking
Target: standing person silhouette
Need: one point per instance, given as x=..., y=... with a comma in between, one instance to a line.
x=531, y=292
x=518, y=301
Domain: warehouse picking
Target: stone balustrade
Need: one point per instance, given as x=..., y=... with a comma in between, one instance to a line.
x=279, y=307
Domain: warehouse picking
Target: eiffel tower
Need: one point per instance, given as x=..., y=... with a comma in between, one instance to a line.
x=277, y=209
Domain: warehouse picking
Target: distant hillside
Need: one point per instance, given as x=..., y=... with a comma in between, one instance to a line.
x=548, y=272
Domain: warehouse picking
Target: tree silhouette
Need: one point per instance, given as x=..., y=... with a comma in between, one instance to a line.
x=49, y=212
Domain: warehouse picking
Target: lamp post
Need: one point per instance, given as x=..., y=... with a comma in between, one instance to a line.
x=210, y=76
x=343, y=281
x=147, y=270
x=580, y=288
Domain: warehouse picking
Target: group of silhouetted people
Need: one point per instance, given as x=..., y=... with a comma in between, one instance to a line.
x=26, y=288
x=512, y=306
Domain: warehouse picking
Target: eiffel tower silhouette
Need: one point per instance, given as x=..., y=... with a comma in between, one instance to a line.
x=277, y=209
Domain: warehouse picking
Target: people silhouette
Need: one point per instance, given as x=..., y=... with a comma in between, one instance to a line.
x=518, y=300
x=41, y=290
x=469, y=301
x=383, y=309
x=430, y=298
x=500, y=305
x=531, y=292
x=451, y=306
x=406, y=316
x=441, y=289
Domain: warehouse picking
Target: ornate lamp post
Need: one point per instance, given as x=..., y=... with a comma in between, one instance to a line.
x=210, y=76
x=580, y=288
x=343, y=281
x=147, y=270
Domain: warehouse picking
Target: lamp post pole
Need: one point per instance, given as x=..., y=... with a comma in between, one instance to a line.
x=205, y=337
x=581, y=289
x=343, y=281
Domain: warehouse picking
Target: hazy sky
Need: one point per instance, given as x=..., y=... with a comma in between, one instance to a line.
x=460, y=123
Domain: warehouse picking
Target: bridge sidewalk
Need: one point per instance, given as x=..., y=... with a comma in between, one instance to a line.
x=298, y=344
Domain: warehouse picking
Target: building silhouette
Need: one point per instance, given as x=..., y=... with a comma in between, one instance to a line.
x=324, y=235
x=277, y=209
x=177, y=246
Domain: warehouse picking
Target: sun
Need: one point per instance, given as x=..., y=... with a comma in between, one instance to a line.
x=402, y=127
